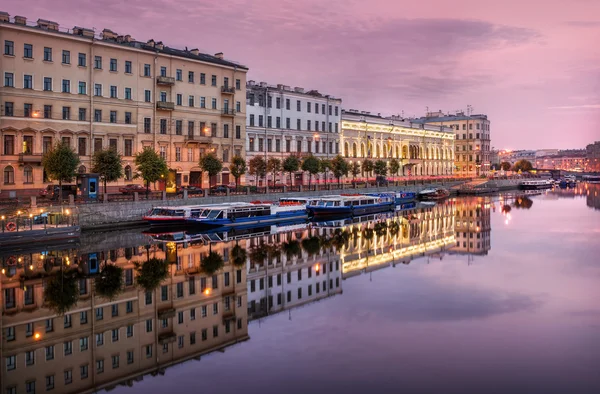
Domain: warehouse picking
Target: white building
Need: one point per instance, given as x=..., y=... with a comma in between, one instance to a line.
x=282, y=121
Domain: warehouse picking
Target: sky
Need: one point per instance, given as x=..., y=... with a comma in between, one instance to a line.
x=533, y=66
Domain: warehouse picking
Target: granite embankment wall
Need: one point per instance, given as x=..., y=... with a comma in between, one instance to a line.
x=504, y=184
x=116, y=215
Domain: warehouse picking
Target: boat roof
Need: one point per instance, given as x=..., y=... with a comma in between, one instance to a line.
x=181, y=207
x=342, y=197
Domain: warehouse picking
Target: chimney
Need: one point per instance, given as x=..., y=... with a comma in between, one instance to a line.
x=108, y=34
x=251, y=82
x=150, y=43
x=219, y=55
x=298, y=90
x=195, y=51
x=280, y=86
x=20, y=20
x=82, y=31
x=127, y=38
x=4, y=16
x=47, y=25
x=263, y=84
x=159, y=45
x=286, y=87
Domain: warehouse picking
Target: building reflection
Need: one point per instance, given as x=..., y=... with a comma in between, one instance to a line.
x=100, y=343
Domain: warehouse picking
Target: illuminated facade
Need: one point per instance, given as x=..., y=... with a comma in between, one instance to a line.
x=110, y=91
x=592, y=154
x=472, y=225
x=472, y=144
x=100, y=343
x=562, y=162
x=421, y=149
x=281, y=121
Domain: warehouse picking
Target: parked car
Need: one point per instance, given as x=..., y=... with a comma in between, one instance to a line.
x=49, y=191
x=220, y=188
x=53, y=192
x=192, y=190
x=130, y=189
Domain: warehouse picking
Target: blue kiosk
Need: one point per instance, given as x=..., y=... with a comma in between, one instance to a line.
x=88, y=185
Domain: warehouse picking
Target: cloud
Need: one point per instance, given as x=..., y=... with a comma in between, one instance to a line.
x=584, y=24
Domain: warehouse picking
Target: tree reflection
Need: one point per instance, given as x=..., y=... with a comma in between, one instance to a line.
x=523, y=202
x=238, y=255
x=61, y=292
x=110, y=281
x=292, y=249
x=151, y=273
x=312, y=245
x=212, y=263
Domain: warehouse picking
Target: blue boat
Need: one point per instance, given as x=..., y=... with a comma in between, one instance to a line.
x=351, y=204
x=245, y=215
x=400, y=197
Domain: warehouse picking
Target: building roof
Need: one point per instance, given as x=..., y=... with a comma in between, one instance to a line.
x=130, y=42
x=449, y=118
x=252, y=85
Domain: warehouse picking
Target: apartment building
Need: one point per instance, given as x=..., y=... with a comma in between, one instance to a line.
x=98, y=91
x=473, y=226
x=100, y=343
x=472, y=144
x=281, y=121
x=421, y=149
x=593, y=156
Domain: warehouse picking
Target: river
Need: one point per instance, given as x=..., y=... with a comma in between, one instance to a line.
x=490, y=294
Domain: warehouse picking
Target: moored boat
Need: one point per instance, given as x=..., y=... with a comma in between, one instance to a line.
x=242, y=215
x=352, y=204
x=535, y=184
x=591, y=178
x=433, y=194
x=165, y=216
x=404, y=197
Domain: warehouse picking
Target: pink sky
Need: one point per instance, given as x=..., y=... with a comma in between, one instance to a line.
x=533, y=66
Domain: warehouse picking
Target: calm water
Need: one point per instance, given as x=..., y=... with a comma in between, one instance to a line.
x=497, y=294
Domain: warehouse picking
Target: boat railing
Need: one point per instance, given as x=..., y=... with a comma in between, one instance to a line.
x=38, y=219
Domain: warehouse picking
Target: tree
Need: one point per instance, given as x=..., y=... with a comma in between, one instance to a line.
x=211, y=164
x=257, y=166
x=274, y=166
x=61, y=292
x=505, y=166
x=212, y=263
x=150, y=166
x=311, y=245
x=291, y=164
x=380, y=168
x=523, y=166
x=325, y=166
x=238, y=255
x=110, y=281
x=311, y=165
x=355, y=170
x=292, y=248
x=238, y=168
x=394, y=166
x=151, y=273
x=61, y=163
x=367, y=167
x=339, y=167
x=108, y=164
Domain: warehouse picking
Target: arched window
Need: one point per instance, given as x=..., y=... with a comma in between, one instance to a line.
x=377, y=151
x=405, y=152
x=9, y=175
x=354, y=153
x=346, y=149
x=362, y=150
x=128, y=174
x=27, y=174
x=81, y=169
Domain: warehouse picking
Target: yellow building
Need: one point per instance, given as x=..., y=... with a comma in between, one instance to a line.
x=420, y=149
x=99, y=91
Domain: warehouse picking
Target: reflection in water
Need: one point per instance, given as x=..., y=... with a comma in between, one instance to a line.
x=79, y=317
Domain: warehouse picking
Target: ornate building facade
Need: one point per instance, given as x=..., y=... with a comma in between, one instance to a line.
x=421, y=149
x=99, y=91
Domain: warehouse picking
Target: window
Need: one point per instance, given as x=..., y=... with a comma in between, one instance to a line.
x=66, y=113
x=115, y=335
x=9, y=48
x=83, y=371
x=238, y=84
x=148, y=351
x=298, y=124
x=68, y=348
x=47, y=113
x=99, y=311
x=146, y=70
x=191, y=101
x=49, y=325
x=81, y=60
x=28, y=51
x=30, y=358
x=49, y=382
x=98, y=62
x=27, y=82
x=113, y=65
x=287, y=104
x=49, y=352
x=202, y=79
x=288, y=123
x=83, y=315
x=251, y=119
x=238, y=132
x=67, y=321
x=82, y=114
x=149, y=325
x=129, y=330
x=113, y=116
x=216, y=308
x=203, y=310
x=97, y=115
x=179, y=75
x=128, y=152
x=115, y=361
x=130, y=357
x=82, y=87
x=191, y=76
x=214, y=103
x=9, y=80
x=30, y=387
x=238, y=106
x=147, y=130
x=213, y=80
x=66, y=57
x=113, y=91
x=204, y=334
x=97, y=89
x=308, y=107
x=163, y=126
x=128, y=67
x=68, y=376
x=99, y=339
x=260, y=120
x=127, y=117
x=147, y=96
x=225, y=131
x=215, y=331
x=47, y=84
x=336, y=110
x=99, y=366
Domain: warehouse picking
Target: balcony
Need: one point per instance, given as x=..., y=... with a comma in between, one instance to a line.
x=228, y=112
x=168, y=337
x=166, y=313
x=165, y=105
x=29, y=158
x=166, y=81
x=200, y=139
x=227, y=90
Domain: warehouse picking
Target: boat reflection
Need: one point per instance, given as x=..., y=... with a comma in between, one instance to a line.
x=213, y=284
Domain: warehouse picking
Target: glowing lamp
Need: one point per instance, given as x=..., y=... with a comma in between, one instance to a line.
x=37, y=335
x=317, y=268
x=207, y=291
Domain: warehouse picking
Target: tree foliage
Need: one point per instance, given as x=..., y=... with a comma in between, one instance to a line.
x=238, y=168
x=394, y=166
x=274, y=166
x=523, y=166
x=108, y=164
x=290, y=165
x=311, y=165
x=61, y=163
x=355, y=170
x=339, y=167
x=312, y=245
x=505, y=166
x=110, y=281
x=292, y=248
x=212, y=263
x=61, y=292
x=259, y=253
x=210, y=164
x=238, y=255
x=151, y=273
x=150, y=166
x=257, y=167
x=380, y=168
x=367, y=167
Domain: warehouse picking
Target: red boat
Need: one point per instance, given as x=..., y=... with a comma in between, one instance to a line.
x=433, y=194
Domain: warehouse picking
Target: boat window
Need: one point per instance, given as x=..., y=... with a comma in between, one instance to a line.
x=212, y=214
